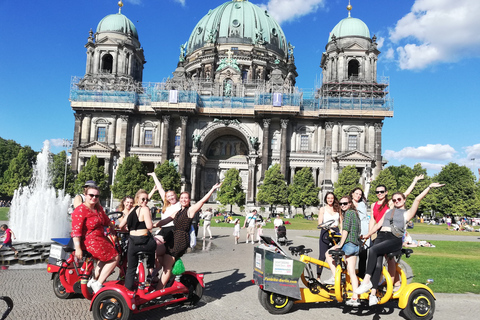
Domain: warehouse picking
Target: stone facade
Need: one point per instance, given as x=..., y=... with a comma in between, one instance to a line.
x=231, y=104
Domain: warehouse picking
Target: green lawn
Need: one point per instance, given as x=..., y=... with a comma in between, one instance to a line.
x=453, y=265
x=423, y=228
x=4, y=214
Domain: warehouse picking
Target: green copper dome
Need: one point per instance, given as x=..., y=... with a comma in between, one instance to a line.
x=238, y=22
x=117, y=23
x=349, y=27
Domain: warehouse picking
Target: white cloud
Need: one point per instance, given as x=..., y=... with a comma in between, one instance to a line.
x=56, y=142
x=437, y=31
x=285, y=10
x=473, y=152
x=390, y=54
x=134, y=1
x=182, y=2
x=428, y=152
x=380, y=42
x=432, y=166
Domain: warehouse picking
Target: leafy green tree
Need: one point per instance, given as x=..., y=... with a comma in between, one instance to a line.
x=273, y=191
x=60, y=175
x=385, y=178
x=9, y=149
x=130, y=177
x=93, y=171
x=231, y=191
x=459, y=195
x=302, y=192
x=168, y=175
x=19, y=171
x=348, y=180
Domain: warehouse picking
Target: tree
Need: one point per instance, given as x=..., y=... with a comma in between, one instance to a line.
x=231, y=191
x=273, y=191
x=131, y=176
x=347, y=181
x=385, y=178
x=92, y=171
x=19, y=171
x=302, y=192
x=459, y=195
x=168, y=175
x=9, y=149
x=59, y=176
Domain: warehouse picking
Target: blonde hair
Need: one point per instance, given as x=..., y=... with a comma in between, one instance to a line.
x=167, y=203
x=137, y=195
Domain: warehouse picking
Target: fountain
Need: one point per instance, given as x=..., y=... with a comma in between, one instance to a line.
x=37, y=213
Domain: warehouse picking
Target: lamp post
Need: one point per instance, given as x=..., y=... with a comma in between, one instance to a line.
x=67, y=143
x=114, y=167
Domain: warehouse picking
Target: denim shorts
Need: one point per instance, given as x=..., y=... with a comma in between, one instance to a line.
x=350, y=249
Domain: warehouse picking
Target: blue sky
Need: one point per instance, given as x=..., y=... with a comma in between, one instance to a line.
x=430, y=50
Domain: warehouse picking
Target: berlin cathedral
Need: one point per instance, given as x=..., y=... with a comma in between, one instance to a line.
x=232, y=102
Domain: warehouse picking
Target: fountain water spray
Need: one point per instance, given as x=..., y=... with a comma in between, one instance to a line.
x=37, y=213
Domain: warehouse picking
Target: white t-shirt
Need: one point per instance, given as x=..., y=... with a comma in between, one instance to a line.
x=169, y=211
x=277, y=222
x=251, y=219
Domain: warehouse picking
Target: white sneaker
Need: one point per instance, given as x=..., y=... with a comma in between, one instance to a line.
x=247, y=241
x=353, y=303
x=96, y=286
x=373, y=300
x=89, y=283
x=364, y=287
x=330, y=280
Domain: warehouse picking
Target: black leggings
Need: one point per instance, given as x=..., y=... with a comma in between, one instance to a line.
x=149, y=246
x=324, y=244
x=385, y=243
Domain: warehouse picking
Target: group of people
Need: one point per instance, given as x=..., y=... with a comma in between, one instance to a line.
x=386, y=228
x=5, y=203
x=89, y=220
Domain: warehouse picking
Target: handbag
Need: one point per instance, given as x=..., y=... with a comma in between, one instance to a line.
x=397, y=232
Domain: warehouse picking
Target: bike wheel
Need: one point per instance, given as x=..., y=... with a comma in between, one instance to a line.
x=195, y=289
x=421, y=305
x=275, y=303
x=110, y=305
x=59, y=289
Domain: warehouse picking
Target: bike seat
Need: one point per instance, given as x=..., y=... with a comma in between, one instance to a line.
x=142, y=254
x=394, y=254
x=407, y=252
x=337, y=253
x=296, y=249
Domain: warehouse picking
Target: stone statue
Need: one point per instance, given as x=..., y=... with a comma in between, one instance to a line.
x=254, y=142
x=182, y=52
x=290, y=50
x=211, y=36
x=196, y=140
x=227, y=91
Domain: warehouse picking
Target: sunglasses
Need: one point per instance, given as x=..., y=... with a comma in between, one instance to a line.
x=397, y=200
x=380, y=192
x=344, y=203
x=94, y=196
x=143, y=199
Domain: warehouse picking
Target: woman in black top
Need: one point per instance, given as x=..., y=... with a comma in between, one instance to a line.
x=139, y=224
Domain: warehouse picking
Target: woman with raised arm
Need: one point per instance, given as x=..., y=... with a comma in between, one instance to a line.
x=330, y=211
x=378, y=211
x=176, y=247
x=389, y=239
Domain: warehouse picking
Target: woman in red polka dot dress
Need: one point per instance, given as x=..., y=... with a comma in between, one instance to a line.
x=88, y=221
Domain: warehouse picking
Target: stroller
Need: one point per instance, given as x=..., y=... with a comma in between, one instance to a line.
x=282, y=235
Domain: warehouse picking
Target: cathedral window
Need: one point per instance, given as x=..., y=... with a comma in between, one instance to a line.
x=107, y=63
x=177, y=141
x=352, y=142
x=304, y=142
x=101, y=134
x=274, y=144
x=148, y=137
x=353, y=69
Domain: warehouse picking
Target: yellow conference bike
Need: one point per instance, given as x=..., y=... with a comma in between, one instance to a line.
x=284, y=280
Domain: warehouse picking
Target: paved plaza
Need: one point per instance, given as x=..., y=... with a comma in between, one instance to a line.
x=229, y=293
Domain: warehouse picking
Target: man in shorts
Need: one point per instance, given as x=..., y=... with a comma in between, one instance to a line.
x=250, y=223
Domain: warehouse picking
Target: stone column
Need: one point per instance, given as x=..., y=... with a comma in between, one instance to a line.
x=113, y=132
x=265, y=146
x=183, y=147
x=292, y=174
x=136, y=134
x=378, y=149
x=107, y=166
x=123, y=136
x=334, y=138
x=328, y=154
x=193, y=178
x=88, y=125
x=77, y=135
x=166, y=127
x=283, y=147
x=252, y=164
x=315, y=175
x=367, y=135
x=340, y=137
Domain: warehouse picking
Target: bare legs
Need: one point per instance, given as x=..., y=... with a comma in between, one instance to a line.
x=104, y=269
x=167, y=262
